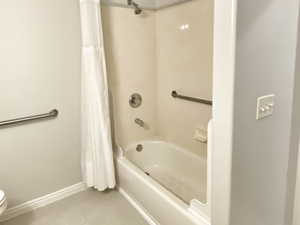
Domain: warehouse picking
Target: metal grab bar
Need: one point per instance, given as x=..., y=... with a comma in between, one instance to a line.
x=191, y=99
x=52, y=113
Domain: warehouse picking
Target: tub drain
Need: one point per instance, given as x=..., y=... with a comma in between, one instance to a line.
x=148, y=174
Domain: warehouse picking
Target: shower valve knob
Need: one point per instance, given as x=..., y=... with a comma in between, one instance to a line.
x=135, y=100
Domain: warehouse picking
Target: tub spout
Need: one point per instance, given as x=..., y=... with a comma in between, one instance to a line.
x=139, y=122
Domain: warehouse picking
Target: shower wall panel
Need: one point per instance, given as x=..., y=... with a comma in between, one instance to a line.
x=152, y=54
x=130, y=50
x=184, y=35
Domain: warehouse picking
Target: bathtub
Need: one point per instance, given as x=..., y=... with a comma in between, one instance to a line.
x=166, y=183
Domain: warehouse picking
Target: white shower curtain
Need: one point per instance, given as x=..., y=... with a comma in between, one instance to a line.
x=97, y=154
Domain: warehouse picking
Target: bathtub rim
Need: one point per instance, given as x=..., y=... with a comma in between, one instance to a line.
x=187, y=209
x=194, y=203
x=131, y=146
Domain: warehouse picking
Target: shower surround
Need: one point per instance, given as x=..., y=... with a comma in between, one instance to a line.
x=153, y=54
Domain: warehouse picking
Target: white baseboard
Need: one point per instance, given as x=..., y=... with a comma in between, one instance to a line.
x=42, y=201
x=150, y=220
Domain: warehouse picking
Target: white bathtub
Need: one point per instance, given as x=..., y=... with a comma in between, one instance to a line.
x=172, y=191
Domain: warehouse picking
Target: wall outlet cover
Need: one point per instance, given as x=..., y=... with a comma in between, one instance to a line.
x=265, y=106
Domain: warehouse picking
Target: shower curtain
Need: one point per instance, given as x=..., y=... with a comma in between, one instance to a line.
x=97, y=153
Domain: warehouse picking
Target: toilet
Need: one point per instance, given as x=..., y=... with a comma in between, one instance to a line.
x=3, y=202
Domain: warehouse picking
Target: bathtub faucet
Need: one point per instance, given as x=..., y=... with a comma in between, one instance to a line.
x=139, y=122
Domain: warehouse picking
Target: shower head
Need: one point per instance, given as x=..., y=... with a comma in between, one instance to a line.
x=137, y=9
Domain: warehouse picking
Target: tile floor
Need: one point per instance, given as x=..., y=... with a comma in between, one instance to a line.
x=85, y=208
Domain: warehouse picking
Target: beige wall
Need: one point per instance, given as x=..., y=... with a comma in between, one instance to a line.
x=184, y=64
x=40, y=70
x=263, y=171
x=149, y=54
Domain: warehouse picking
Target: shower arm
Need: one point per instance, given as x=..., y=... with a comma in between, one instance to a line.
x=137, y=9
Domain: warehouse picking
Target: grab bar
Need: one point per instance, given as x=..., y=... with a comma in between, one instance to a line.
x=52, y=113
x=191, y=99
